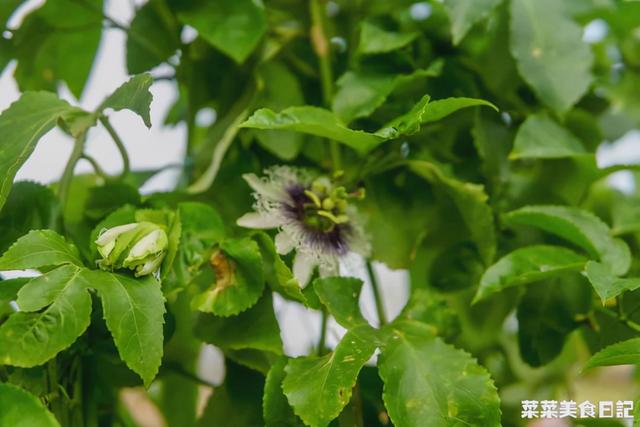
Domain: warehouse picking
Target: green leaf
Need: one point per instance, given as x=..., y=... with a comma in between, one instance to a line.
x=55, y=311
x=19, y=408
x=472, y=203
x=427, y=112
x=21, y=126
x=427, y=307
x=8, y=293
x=319, y=388
x=255, y=328
x=341, y=296
x=133, y=95
x=540, y=137
x=622, y=353
x=152, y=37
x=428, y=382
x=276, y=272
x=39, y=248
x=375, y=40
x=7, y=8
x=547, y=314
x=239, y=279
x=361, y=93
x=549, y=52
x=464, y=14
x=526, y=265
x=275, y=407
x=284, y=144
x=313, y=121
x=30, y=206
x=581, y=228
x=134, y=312
x=58, y=42
x=606, y=284
x=233, y=26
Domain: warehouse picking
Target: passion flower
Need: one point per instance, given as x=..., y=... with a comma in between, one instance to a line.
x=315, y=216
x=139, y=246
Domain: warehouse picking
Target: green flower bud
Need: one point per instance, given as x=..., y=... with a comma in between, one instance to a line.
x=139, y=246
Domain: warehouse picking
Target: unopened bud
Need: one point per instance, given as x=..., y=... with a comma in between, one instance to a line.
x=139, y=246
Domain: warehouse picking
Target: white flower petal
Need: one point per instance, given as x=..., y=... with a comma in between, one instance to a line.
x=265, y=188
x=303, y=266
x=284, y=243
x=330, y=268
x=258, y=221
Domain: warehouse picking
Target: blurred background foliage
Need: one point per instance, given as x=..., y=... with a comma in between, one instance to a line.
x=564, y=76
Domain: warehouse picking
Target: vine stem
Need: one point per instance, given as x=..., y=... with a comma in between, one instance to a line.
x=67, y=175
x=322, y=48
x=126, y=167
x=623, y=319
x=377, y=295
x=323, y=332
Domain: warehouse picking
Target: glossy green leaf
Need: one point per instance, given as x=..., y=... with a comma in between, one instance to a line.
x=341, y=297
x=233, y=26
x=239, y=279
x=39, y=248
x=277, y=274
x=550, y=53
x=152, y=38
x=21, y=126
x=606, y=284
x=539, y=137
x=526, y=265
x=18, y=408
x=360, y=93
x=134, y=311
x=319, y=388
x=622, y=353
x=55, y=311
x=275, y=407
x=581, y=228
x=313, y=121
x=472, y=203
x=427, y=112
x=428, y=382
x=255, y=328
x=464, y=14
x=375, y=40
x=58, y=42
x=133, y=95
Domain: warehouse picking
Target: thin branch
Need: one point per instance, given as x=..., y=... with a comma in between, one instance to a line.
x=377, y=295
x=116, y=139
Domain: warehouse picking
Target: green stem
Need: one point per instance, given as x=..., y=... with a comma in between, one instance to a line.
x=377, y=295
x=206, y=179
x=67, y=175
x=322, y=48
x=56, y=404
x=179, y=370
x=121, y=148
x=96, y=167
x=624, y=320
x=357, y=406
x=323, y=333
